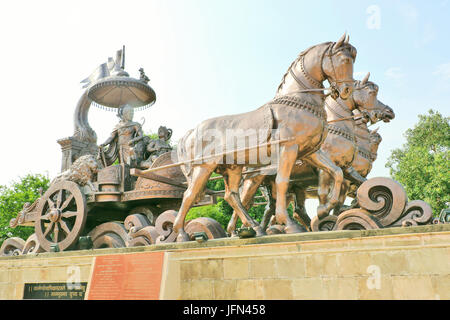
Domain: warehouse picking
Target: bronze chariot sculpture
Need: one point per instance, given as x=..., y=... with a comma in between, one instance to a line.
x=133, y=191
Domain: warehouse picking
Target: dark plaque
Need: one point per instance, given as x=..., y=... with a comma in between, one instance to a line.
x=54, y=291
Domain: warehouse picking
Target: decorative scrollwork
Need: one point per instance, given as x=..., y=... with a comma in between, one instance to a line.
x=211, y=227
x=135, y=222
x=163, y=232
x=145, y=211
x=109, y=235
x=326, y=224
x=164, y=227
x=140, y=232
x=383, y=198
x=12, y=247
x=417, y=212
x=21, y=216
x=32, y=245
x=144, y=237
x=357, y=219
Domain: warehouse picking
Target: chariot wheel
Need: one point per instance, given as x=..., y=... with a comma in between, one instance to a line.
x=61, y=216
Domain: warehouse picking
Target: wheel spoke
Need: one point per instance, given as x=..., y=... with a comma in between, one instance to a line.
x=51, y=204
x=64, y=226
x=45, y=217
x=56, y=234
x=59, y=198
x=66, y=202
x=69, y=214
x=49, y=228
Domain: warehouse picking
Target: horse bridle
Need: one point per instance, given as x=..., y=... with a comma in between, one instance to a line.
x=345, y=109
x=333, y=82
x=377, y=114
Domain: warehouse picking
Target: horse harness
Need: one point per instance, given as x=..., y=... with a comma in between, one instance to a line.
x=295, y=102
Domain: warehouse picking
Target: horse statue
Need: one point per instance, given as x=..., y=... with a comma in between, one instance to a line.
x=299, y=118
x=368, y=142
x=340, y=146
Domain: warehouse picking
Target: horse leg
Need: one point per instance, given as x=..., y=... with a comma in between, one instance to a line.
x=354, y=176
x=249, y=190
x=200, y=176
x=231, y=227
x=322, y=161
x=323, y=186
x=232, y=179
x=288, y=156
x=300, y=213
x=269, y=210
x=342, y=197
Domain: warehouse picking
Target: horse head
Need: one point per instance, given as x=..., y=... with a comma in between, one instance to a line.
x=365, y=97
x=337, y=67
x=387, y=114
x=332, y=61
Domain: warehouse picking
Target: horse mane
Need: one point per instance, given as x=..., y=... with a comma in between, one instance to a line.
x=301, y=54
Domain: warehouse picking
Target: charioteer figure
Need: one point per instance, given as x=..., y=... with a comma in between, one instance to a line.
x=122, y=142
x=157, y=147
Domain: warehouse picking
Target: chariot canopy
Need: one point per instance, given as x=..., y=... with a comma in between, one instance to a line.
x=110, y=86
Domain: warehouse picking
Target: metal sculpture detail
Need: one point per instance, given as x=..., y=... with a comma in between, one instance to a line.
x=296, y=112
x=309, y=141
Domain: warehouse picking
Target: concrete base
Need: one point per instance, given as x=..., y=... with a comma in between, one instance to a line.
x=396, y=263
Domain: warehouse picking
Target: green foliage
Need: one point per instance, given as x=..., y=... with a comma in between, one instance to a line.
x=422, y=164
x=12, y=199
x=154, y=136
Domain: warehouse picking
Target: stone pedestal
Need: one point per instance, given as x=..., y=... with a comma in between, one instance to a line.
x=393, y=263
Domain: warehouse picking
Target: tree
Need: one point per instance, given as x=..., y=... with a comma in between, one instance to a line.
x=422, y=164
x=12, y=199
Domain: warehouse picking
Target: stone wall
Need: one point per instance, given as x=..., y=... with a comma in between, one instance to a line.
x=397, y=263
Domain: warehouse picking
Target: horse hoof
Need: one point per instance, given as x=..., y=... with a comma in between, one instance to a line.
x=259, y=231
x=275, y=229
x=322, y=212
x=294, y=228
x=183, y=237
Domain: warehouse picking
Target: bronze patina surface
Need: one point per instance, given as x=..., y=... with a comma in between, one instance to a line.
x=308, y=141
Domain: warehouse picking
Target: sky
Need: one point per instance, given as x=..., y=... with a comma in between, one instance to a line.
x=205, y=58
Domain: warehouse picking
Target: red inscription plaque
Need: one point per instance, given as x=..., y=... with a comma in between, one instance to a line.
x=134, y=276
